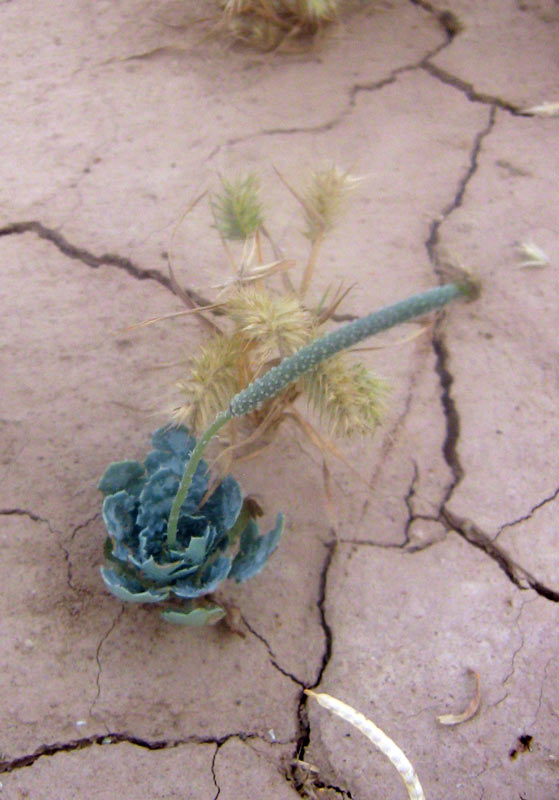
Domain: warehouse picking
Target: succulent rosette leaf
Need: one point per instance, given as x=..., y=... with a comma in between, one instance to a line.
x=216, y=537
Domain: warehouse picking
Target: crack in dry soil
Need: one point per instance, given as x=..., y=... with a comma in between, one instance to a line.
x=519, y=576
x=98, y=660
x=352, y=93
x=117, y=738
x=214, y=776
x=433, y=239
x=304, y=727
x=445, y=21
x=273, y=658
x=468, y=89
x=83, y=255
x=22, y=512
x=529, y=515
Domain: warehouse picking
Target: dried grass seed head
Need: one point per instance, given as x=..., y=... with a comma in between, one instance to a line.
x=210, y=384
x=258, y=32
x=313, y=11
x=347, y=397
x=277, y=325
x=325, y=198
x=237, y=209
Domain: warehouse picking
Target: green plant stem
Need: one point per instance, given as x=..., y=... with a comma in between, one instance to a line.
x=306, y=359
x=193, y=462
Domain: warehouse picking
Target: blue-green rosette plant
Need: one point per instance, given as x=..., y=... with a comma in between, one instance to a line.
x=168, y=542
x=215, y=538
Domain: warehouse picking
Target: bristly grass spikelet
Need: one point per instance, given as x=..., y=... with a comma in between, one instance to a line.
x=347, y=397
x=212, y=381
x=325, y=198
x=316, y=10
x=275, y=325
x=237, y=209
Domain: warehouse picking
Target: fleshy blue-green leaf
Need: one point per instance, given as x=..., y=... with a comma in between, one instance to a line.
x=129, y=590
x=119, y=518
x=224, y=505
x=206, y=615
x=173, y=440
x=156, y=499
x=162, y=573
x=128, y=476
x=172, y=447
x=209, y=580
x=255, y=550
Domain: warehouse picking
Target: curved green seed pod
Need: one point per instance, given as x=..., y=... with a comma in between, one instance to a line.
x=305, y=359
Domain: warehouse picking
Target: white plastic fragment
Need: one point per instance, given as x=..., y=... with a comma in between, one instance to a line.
x=272, y=735
x=383, y=742
x=80, y=723
x=531, y=255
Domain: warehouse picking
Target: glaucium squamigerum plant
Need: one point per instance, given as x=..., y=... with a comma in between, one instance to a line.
x=216, y=537
x=173, y=533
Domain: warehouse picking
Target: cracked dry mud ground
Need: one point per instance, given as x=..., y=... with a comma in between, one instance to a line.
x=115, y=116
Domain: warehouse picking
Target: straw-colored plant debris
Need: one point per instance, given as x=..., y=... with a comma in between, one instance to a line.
x=471, y=709
x=531, y=256
x=272, y=24
x=383, y=742
x=264, y=316
x=542, y=110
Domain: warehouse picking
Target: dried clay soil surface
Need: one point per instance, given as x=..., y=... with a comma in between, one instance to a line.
x=444, y=561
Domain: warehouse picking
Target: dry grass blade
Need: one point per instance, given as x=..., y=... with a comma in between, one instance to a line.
x=324, y=444
x=189, y=298
x=172, y=315
x=338, y=298
x=254, y=274
x=300, y=199
x=311, y=263
x=272, y=418
x=470, y=710
x=383, y=742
